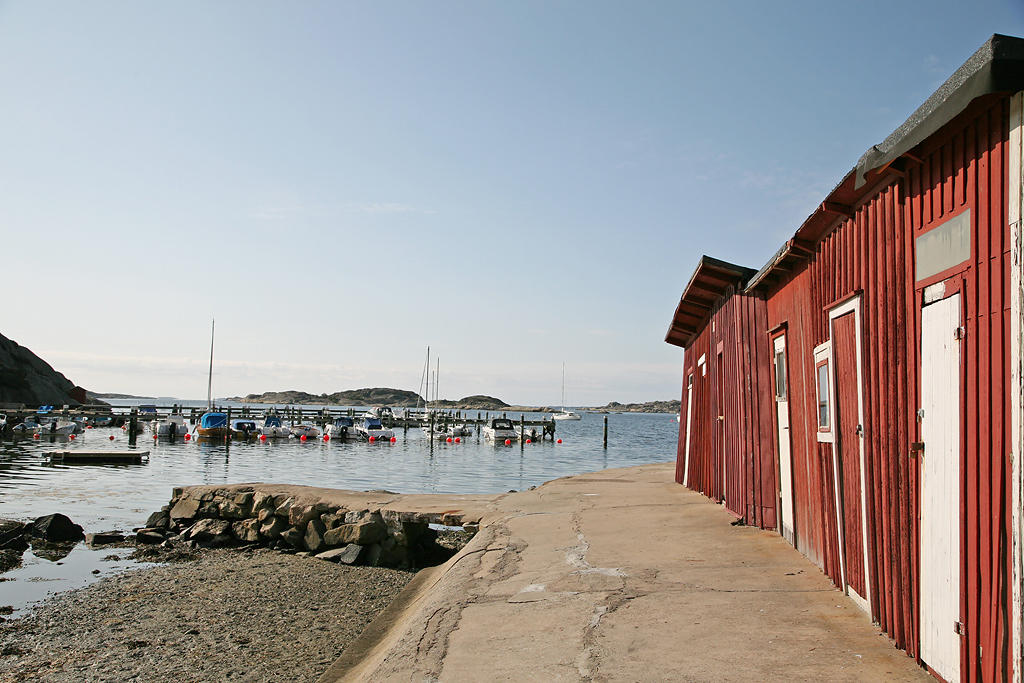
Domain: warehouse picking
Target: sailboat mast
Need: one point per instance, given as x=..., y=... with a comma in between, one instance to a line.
x=209, y=383
x=426, y=392
x=437, y=371
x=563, y=386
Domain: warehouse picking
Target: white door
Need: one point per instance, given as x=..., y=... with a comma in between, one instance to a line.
x=940, y=487
x=689, y=413
x=782, y=424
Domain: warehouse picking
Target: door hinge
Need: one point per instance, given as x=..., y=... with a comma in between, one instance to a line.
x=920, y=414
x=915, y=448
x=959, y=628
x=959, y=333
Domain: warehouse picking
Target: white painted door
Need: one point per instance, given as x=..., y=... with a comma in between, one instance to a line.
x=689, y=413
x=782, y=425
x=940, y=487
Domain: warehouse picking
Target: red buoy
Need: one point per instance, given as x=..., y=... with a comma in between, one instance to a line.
x=302, y=438
x=72, y=437
x=111, y=437
x=448, y=440
x=529, y=441
x=36, y=436
x=394, y=439
x=372, y=439
x=263, y=437
x=327, y=437
x=559, y=441
x=154, y=437
x=458, y=440
x=508, y=442
x=187, y=436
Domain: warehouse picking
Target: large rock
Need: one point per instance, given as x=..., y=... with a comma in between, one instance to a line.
x=160, y=519
x=12, y=535
x=207, y=529
x=185, y=508
x=273, y=528
x=315, y=535
x=350, y=554
x=299, y=515
x=246, y=530
x=293, y=537
x=56, y=528
x=364, y=533
x=104, y=538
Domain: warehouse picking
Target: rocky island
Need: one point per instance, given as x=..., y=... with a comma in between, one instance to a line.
x=648, y=407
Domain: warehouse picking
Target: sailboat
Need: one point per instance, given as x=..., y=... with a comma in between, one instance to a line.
x=212, y=425
x=565, y=414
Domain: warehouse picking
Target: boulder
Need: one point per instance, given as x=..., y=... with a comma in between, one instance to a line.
x=246, y=530
x=355, y=515
x=149, y=537
x=12, y=535
x=315, y=535
x=283, y=508
x=206, y=529
x=273, y=528
x=332, y=520
x=299, y=515
x=185, y=508
x=364, y=533
x=293, y=537
x=265, y=514
x=350, y=554
x=56, y=528
x=104, y=538
x=261, y=500
x=9, y=559
x=159, y=519
x=229, y=509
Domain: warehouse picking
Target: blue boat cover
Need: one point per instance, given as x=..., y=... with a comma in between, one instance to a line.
x=272, y=421
x=43, y=410
x=212, y=420
x=372, y=423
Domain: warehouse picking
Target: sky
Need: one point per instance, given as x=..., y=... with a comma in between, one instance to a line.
x=517, y=185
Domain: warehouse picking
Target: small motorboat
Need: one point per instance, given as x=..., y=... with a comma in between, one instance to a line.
x=213, y=426
x=173, y=426
x=341, y=428
x=273, y=428
x=532, y=433
x=27, y=427
x=371, y=426
x=499, y=429
x=243, y=428
x=305, y=429
x=57, y=428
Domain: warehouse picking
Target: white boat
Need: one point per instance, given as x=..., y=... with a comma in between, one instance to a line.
x=381, y=413
x=243, y=428
x=565, y=414
x=341, y=428
x=500, y=429
x=27, y=427
x=371, y=426
x=57, y=427
x=273, y=428
x=444, y=431
x=305, y=429
x=173, y=425
x=531, y=433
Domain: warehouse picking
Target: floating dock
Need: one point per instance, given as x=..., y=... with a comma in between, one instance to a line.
x=98, y=457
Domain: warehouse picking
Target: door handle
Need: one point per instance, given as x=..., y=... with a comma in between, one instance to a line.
x=860, y=430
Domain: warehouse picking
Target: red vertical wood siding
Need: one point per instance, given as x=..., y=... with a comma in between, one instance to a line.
x=871, y=254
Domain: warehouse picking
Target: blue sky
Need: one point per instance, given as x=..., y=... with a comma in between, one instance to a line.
x=515, y=184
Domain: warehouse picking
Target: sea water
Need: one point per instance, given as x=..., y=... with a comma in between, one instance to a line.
x=121, y=497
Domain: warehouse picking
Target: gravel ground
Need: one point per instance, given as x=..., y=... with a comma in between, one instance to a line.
x=239, y=615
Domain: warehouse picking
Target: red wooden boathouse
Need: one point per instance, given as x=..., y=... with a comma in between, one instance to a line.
x=861, y=393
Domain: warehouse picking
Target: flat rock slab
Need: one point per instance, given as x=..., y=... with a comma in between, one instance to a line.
x=622, y=575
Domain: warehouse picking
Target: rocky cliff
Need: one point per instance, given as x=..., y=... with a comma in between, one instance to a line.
x=378, y=396
x=27, y=378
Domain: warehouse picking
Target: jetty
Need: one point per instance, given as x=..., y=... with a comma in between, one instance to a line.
x=77, y=457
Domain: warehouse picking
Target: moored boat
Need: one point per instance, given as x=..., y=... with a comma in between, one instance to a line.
x=566, y=415
x=174, y=425
x=341, y=428
x=243, y=428
x=499, y=429
x=213, y=426
x=371, y=426
x=305, y=429
x=273, y=428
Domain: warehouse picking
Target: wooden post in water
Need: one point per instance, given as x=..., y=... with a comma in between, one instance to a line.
x=227, y=434
x=133, y=424
x=522, y=431
x=606, y=431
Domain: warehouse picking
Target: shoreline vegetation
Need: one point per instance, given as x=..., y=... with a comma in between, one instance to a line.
x=399, y=398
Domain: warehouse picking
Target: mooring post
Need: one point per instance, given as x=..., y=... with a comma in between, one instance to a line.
x=133, y=425
x=227, y=434
x=606, y=431
x=522, y=431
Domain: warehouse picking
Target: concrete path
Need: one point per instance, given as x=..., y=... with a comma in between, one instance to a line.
x=621, y=575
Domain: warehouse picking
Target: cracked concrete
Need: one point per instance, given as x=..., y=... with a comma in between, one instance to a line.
x=621, y=575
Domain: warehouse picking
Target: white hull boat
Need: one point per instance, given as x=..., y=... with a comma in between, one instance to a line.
x=305, y=430
x=174, y=425
x=272, y=428
x=566, y=415
x=500, y=430
x=371, y=426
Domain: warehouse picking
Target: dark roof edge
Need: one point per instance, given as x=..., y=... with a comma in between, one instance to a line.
x=997, y=66
x=738, y=274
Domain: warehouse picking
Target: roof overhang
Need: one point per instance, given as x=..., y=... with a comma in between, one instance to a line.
x=707, y=285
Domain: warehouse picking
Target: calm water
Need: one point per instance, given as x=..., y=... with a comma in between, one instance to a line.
x=109, y=497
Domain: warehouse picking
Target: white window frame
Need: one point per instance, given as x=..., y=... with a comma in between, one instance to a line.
x=823, y=352
x=702, y=364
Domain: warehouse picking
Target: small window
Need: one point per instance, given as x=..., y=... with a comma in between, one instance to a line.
x=824, y=409
x=780, y=374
